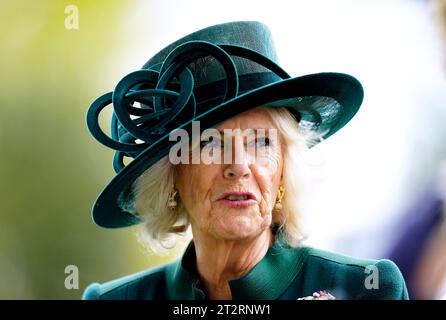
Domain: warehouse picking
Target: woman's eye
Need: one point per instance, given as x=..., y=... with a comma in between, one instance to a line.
x=210, y=143
x=262, y=142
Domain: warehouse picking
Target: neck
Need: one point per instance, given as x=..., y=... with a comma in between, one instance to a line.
x=221, y=260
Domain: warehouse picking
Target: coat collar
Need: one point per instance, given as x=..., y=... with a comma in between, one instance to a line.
x=267, y=280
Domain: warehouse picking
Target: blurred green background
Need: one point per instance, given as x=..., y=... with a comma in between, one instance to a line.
x=51, y=169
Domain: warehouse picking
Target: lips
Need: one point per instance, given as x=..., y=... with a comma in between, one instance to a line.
x=237, y=195
x=237, y=199
x=234, y=197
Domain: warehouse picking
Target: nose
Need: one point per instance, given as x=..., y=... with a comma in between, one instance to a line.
x=236, y=171
x=239, y=166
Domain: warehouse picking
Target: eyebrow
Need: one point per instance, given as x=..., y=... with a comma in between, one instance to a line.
x=255, y=129
x=257, y=135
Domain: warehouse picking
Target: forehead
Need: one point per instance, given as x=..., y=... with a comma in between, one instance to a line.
x=254, y=118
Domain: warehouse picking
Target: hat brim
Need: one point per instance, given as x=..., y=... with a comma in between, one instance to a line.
x=343, y=88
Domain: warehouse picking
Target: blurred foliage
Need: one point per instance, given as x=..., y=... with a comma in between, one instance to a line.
x=51, y=169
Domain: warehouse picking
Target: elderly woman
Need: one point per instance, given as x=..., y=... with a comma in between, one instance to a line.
x=217, y=139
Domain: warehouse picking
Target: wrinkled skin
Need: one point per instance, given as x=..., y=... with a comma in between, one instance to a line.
x=200, y=185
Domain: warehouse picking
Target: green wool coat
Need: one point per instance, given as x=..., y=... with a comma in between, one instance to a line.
x=284, y=273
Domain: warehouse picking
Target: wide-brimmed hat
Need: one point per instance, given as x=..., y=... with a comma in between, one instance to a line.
x=209, y=76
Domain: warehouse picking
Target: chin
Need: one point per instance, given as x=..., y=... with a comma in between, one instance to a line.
x=240, y=227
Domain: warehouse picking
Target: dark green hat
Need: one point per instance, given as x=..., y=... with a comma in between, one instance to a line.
x=209, y=76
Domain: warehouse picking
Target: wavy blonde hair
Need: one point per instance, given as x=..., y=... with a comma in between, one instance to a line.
x=161, y=226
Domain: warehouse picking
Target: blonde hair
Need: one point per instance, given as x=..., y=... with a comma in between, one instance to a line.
x=161, y=225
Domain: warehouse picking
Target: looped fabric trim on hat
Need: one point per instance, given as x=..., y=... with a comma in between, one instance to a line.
x=165, y=104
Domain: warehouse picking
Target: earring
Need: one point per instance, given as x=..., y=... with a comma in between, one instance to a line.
x=171, y=202
x=280, y=193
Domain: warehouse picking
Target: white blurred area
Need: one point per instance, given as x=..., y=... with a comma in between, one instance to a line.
x=390, y=150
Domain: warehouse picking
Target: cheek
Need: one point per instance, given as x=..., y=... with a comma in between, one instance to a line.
x=268, y=175
x=194, y=184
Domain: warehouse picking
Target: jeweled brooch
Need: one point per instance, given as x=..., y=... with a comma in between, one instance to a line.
x=319, y=295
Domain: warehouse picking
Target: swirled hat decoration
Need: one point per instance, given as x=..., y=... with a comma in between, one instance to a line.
x=209, y=76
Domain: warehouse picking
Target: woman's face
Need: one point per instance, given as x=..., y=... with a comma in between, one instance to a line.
x=234, y=199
